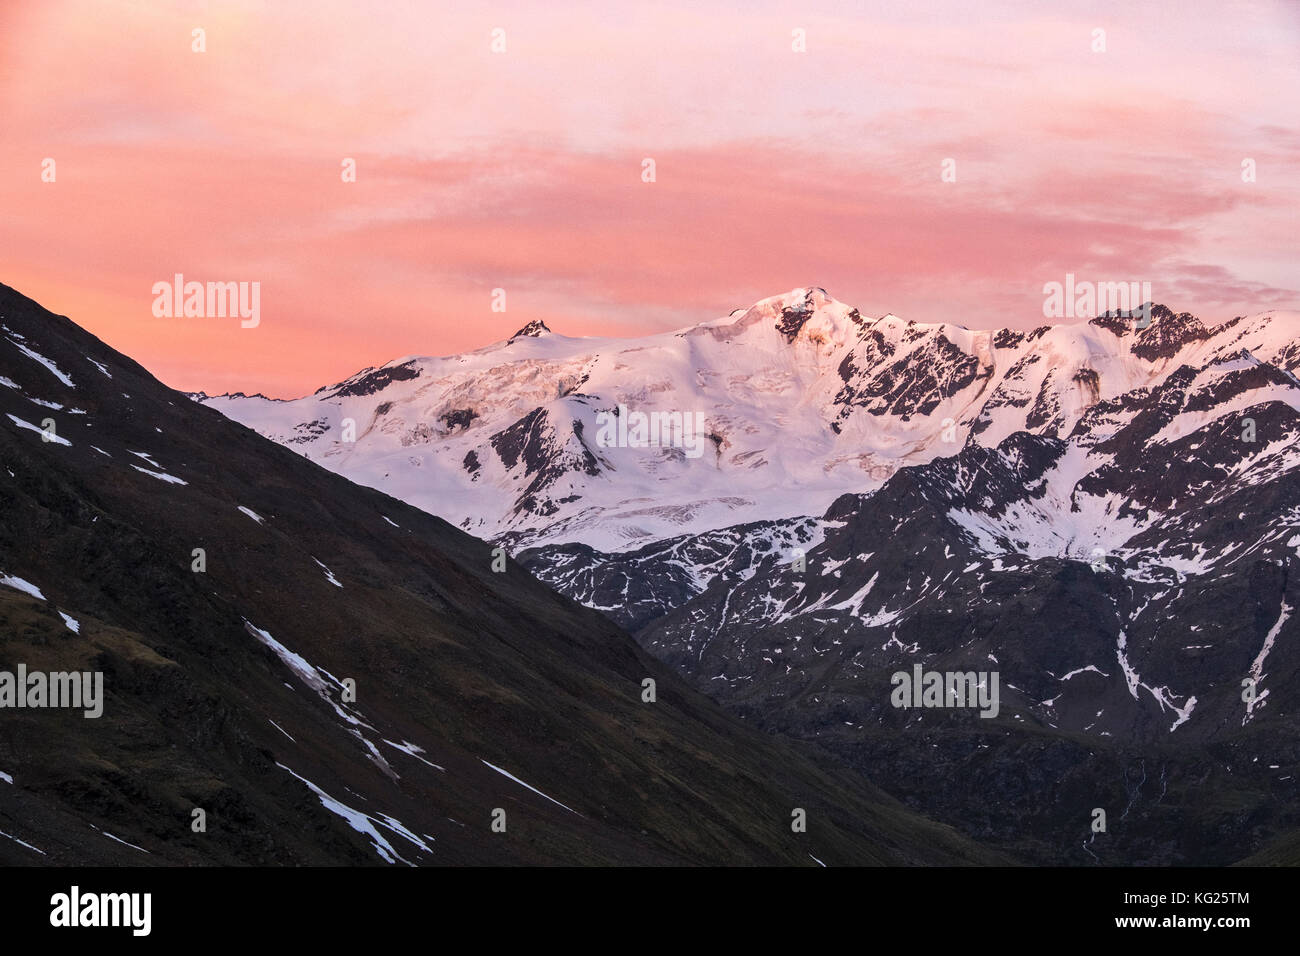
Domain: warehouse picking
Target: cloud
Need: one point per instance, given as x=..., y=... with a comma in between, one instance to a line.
x=523, y=170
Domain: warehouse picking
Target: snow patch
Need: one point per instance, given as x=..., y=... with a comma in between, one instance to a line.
x=25, y=586
x=329, y=575
x=161, y=476
x=38, y=357
x=365, y=824
x=123, y=842
x=22, y=843
x=506, y=773
x=1257, y=666
x=411, y=750
x=57, y=439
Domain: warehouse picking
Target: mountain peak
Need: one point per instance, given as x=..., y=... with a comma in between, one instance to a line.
x=533, y=329
x=808, y=310
x=1162, y=336
x=797, y=308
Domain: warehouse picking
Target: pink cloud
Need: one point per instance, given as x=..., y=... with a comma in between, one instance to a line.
x=522, y=171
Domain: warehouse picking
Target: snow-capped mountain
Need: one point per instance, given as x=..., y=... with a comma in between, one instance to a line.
x=505, y=441
x=798, y=399
x=1105, y=514
x=1130, y=584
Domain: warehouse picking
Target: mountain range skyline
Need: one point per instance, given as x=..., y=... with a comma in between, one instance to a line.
x=799, y=398
x=1023, y=323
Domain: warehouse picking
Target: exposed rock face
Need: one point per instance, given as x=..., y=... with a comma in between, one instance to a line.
x=533, y=329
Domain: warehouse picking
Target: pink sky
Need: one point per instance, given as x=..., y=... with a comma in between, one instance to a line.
x=522, y=170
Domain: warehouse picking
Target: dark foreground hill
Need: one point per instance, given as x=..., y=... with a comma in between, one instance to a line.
x=228, y=689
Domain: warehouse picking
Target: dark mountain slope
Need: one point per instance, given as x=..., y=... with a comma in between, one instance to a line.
x=224, y=690
x=1123, y=672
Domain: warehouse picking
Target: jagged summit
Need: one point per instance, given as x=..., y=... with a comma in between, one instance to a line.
x=800, y=398
x=804, y=314
x=534, y=329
